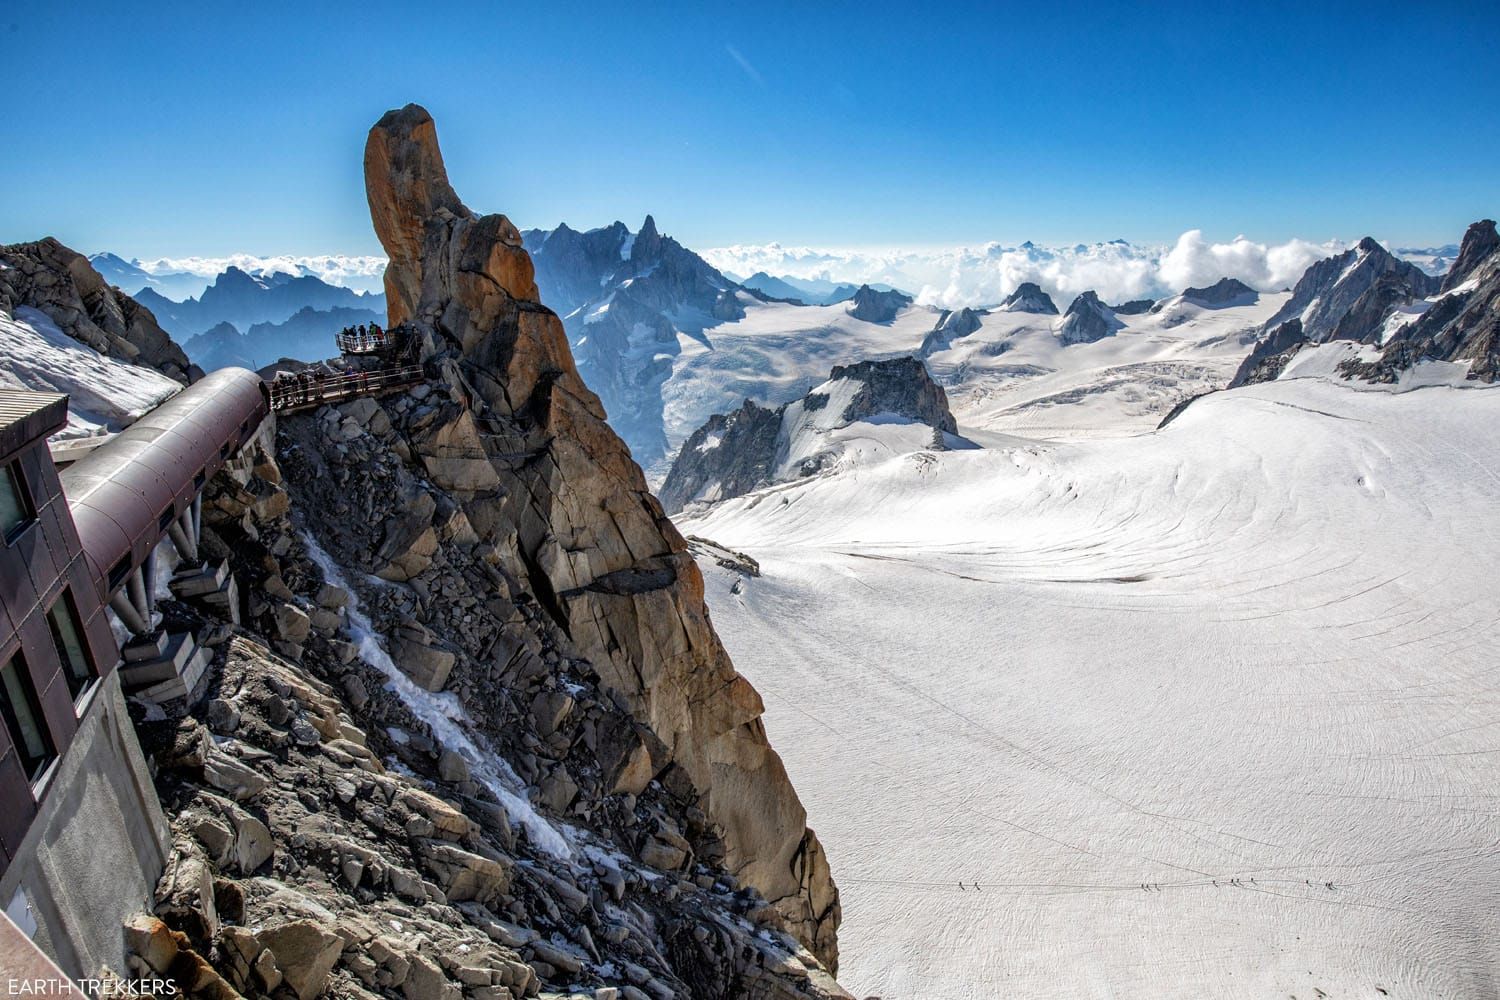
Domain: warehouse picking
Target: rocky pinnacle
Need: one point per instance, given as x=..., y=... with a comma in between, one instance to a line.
x=600, y=554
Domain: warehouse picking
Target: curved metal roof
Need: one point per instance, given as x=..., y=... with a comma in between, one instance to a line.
x=120, y=491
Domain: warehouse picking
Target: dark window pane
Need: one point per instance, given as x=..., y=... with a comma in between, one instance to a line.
x=23, y=717
x=70, y=649
x=14, y=510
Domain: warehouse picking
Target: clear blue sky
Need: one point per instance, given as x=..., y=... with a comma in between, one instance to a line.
x=161, y=129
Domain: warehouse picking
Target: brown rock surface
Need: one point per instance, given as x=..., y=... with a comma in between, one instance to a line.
x=597, y=549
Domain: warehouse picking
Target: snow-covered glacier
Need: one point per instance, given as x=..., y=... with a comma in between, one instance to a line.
x=1204, y=711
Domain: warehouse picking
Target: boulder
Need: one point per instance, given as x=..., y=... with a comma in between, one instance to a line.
x=304, y=953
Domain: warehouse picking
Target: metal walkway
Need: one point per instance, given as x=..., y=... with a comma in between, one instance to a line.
x=290, y=393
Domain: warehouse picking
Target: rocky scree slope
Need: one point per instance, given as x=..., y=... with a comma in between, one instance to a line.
x=361, y=806
x=735, y=453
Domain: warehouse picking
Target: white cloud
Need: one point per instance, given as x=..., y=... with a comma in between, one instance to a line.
x=969, y=276
x=359, y=273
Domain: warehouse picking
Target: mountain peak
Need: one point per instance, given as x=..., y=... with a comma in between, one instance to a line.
x=1087, y=320
x=1480, y=241
x=1370, y=245
x=1029, y=298
x=877, y=307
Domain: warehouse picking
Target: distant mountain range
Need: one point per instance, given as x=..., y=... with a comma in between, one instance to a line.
x=129, y=277
x=245, y=319
x=812, y=292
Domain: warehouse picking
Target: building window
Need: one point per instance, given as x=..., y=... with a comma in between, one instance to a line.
x=23, y=718
x=15, y=503
x=70, y=648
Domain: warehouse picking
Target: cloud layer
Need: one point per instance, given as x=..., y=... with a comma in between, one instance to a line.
x=362, y=274
x=974, y=276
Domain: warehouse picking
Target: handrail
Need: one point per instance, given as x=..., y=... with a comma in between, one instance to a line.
x=350, y=342
x=297, y=392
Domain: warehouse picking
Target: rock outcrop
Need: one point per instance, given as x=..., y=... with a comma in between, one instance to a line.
x=875, y=306
x=1461, y=325
x=1087, y=320
x=951, y=325
x=55, y=280
x=1221, y=294
x=1134, y=307
x=573, y=521
x=733, y=454
x=1479, y=244
x=1271, y=354
x=1029, y=298
x=1332, y=290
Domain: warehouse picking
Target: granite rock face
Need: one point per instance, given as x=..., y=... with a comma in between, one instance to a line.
x=55, y=280
x=584, y=533
x=1087, y=320
x=733, y=454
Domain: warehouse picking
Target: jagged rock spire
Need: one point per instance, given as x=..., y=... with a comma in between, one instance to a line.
x=1480, y=241
x=591, y=541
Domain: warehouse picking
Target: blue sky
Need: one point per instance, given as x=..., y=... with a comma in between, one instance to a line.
x=164, y=129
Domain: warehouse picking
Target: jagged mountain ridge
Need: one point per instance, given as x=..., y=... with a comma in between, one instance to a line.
x=1462, y=324
x=131, y=278
x=624, y=297
x=272, y=316
x=813, y=293
x=735, y=453
x=1366, y=296
x=306, y=335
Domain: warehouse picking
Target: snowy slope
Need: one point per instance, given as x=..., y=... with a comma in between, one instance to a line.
x=1014, y=376
x=1236, y=660
x=105, y=394
x=774, y=355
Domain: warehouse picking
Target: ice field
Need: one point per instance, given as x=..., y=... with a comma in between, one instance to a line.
x=1208, y=711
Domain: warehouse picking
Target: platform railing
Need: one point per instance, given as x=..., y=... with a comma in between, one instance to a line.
x=304, y=390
